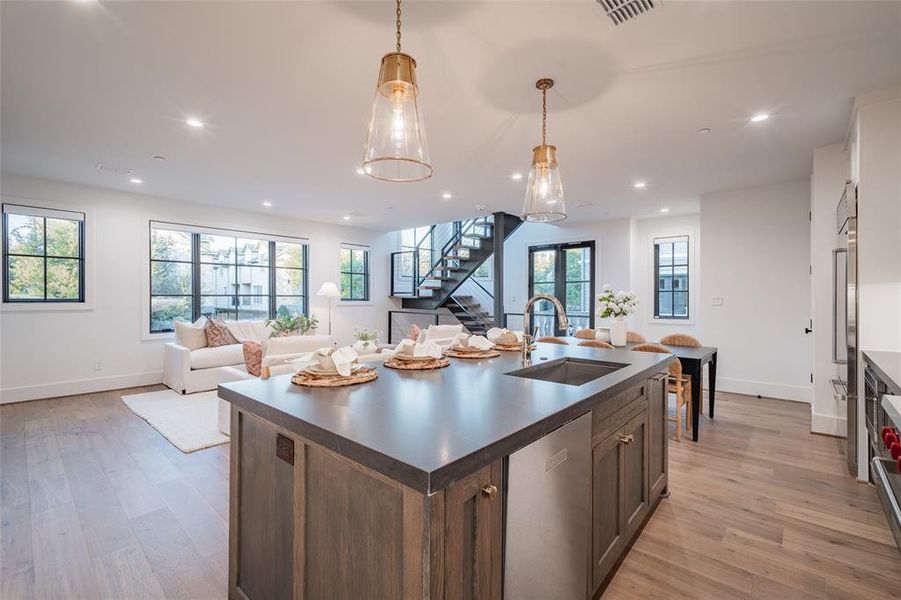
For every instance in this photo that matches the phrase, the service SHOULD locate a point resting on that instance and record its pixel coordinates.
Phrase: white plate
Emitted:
(411, 358)
(318, 370)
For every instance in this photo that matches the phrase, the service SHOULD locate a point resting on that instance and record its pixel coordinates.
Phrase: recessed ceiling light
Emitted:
(360, 171)
(516, 176)
(267, 203)
(639, 185)
(759, 117)
(447, 195)
(346, 217)
(664, 210)
(136, 180)
(704, 130)
(194, 122)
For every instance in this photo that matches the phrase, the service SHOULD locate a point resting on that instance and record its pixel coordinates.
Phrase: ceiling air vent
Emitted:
(621, 11)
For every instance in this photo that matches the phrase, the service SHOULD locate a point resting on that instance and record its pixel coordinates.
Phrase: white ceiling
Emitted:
(286, 89)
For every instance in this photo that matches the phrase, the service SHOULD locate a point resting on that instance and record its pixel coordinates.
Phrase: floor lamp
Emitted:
(329, 290)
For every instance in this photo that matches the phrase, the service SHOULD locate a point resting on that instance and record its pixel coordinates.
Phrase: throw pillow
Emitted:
(190, 336)
(217, 334)
(414, 332)
(253, 357)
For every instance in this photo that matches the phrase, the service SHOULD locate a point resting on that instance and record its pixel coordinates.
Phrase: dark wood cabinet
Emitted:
(473, 536)
(657, 454)
(628, 473)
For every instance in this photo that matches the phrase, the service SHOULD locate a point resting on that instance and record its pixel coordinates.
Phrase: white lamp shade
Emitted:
(329, 290)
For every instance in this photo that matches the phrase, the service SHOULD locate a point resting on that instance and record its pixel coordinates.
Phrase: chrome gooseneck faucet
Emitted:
(562, 322)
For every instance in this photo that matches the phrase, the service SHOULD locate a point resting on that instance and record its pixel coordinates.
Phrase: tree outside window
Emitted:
(43, 255)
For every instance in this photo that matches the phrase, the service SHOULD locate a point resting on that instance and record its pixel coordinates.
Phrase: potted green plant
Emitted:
(285, 323)
(366, 341)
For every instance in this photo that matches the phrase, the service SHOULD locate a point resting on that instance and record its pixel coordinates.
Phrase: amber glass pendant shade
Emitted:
(544, 202)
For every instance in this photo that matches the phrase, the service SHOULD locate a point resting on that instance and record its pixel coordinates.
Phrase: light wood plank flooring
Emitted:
(96, 504)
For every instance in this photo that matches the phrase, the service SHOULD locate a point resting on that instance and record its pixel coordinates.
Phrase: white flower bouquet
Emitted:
(616, 304)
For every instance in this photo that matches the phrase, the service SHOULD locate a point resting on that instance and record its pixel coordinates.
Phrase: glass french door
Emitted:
(565, 271)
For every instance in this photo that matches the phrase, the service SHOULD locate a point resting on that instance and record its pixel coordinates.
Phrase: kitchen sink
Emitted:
(569, 371)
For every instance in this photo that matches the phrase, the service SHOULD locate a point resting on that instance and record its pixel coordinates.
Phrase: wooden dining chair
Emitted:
(585, 334)
(634, 336)
(597, 344)
(553, 340)
(680, 339)
(677, 384)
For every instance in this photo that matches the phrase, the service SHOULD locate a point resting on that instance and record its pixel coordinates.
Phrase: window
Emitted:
(483, 271)
(566, 272)
(671, 278)
(221, 274)
(43, 255)
(410, 240)
(354, 274)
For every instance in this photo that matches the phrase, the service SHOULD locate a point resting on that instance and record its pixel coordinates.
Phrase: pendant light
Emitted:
(544, 195)
(396, 148)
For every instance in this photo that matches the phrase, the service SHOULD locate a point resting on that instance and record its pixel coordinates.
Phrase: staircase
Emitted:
(438, 272)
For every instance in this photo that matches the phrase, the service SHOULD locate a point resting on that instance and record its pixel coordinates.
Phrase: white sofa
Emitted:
(187, 371)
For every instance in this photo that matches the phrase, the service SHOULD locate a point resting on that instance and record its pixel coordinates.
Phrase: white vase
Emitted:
(365, 347)
(618, 331)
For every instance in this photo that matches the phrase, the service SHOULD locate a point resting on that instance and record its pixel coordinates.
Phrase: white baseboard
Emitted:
(780, 391)
(78, 386)
(828, 425)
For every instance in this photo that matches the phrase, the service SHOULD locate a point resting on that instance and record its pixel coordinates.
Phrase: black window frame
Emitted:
(80, 258)
(672, 241)
(352, 272)
(560, 280)
(235, 297)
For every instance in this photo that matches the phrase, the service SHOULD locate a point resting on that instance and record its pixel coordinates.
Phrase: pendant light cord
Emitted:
(543, 117)
(398, 26)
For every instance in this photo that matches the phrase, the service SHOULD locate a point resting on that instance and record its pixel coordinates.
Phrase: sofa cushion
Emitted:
(220, 356)
(190, 336)
(217, 334)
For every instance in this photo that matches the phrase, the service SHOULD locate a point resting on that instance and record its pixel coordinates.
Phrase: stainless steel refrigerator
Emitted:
(844, 305)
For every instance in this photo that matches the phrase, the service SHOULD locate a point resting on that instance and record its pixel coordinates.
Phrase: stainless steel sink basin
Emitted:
(569, 371)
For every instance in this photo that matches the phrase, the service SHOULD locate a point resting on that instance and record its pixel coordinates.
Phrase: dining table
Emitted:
(693, 360)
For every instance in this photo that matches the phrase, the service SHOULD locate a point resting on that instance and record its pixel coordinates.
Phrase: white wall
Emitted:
(642, 274)
(50, 352)
(612, 249)
(756, 257)
(830, 170)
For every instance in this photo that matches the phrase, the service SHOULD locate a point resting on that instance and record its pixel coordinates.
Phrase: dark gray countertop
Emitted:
(426, 429)
(888, 365)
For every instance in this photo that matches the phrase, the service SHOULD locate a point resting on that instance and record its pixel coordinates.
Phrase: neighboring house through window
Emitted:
(198, 272)
(43, 255)
(671, 278)
(354, 272)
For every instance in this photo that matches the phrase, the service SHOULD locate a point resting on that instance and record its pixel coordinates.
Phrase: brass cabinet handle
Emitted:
(627, 439)
(489, 490)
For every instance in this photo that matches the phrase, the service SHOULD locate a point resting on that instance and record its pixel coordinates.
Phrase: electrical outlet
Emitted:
(98, 366)
(717, 300)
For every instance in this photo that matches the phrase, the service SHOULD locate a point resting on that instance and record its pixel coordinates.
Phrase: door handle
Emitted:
(807, 330)
(489, 490)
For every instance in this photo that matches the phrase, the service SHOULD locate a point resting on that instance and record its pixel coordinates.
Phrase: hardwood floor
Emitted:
(96, 504)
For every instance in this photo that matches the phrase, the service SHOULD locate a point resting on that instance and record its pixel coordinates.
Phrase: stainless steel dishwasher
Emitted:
(548, 516)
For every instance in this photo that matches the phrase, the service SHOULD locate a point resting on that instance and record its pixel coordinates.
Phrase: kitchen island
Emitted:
(396, 488)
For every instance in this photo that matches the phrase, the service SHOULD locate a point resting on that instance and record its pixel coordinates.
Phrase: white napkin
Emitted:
(476, 341)
(408, 347)
(343, 359)
(503, 336)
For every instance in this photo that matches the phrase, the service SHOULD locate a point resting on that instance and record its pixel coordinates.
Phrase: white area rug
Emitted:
(190, 422)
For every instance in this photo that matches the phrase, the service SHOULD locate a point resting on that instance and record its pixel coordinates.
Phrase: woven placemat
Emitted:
(416, 365)
(316, 380)
(480, 354)
(506, 348)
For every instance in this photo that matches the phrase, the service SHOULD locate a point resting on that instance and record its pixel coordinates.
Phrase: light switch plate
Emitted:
(717, 300)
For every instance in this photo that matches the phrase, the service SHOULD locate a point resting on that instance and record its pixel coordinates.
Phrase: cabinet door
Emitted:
(635, 471)
(607, 523)
(473, 536)
(657, 433)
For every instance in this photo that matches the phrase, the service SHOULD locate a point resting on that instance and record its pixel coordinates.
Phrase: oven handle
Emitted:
(889, 501)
